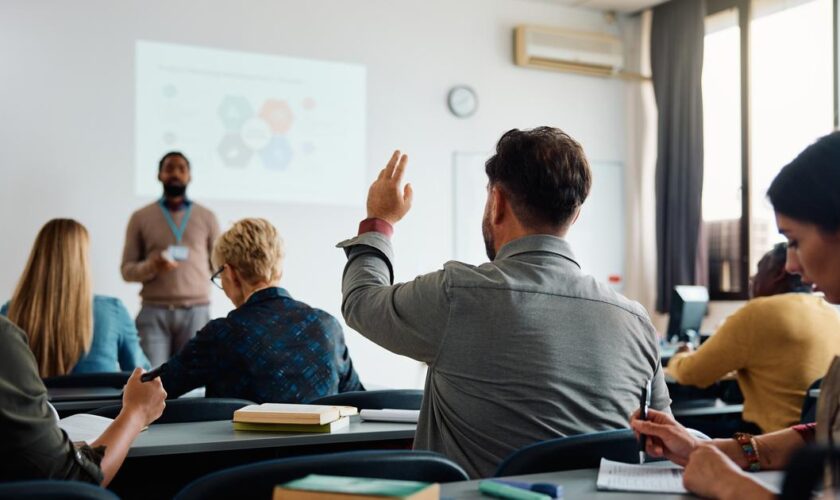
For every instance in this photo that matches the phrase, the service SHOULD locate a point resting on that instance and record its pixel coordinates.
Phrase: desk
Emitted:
(581, 484)
(62, 394)
(176, 454)
(705, 408)
(201, 437)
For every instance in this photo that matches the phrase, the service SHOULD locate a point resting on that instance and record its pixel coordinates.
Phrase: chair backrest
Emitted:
(805, 470)
(54, 489)
(575, 452)
(114, 379)
(809, 405)
(187, 410)
(258, 480)
(397, 399)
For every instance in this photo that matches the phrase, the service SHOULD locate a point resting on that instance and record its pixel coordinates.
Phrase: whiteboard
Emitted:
(597, 238)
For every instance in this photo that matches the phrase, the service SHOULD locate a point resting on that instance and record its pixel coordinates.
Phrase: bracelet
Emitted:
(748, 446)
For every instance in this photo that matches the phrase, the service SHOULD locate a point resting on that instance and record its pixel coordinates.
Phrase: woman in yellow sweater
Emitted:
(780, 342)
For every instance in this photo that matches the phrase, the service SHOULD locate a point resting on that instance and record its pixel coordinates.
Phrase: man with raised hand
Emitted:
(520, 349)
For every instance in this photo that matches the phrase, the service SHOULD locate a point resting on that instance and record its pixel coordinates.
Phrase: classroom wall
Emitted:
(67, 123)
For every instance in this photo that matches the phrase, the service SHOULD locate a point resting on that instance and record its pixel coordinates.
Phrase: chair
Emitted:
(809, 405)
(805, 470)
(187, 410)
(259, 479)
(114, 379)
(54, 489)
(396, 399)
(583, 451)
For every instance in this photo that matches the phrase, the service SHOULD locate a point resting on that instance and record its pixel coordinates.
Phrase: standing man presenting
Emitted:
(167, 248)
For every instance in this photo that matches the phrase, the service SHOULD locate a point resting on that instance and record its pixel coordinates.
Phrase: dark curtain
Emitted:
(676, 57)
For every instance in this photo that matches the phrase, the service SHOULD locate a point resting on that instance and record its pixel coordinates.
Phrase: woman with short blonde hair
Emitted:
(271, 348)
(54, 304)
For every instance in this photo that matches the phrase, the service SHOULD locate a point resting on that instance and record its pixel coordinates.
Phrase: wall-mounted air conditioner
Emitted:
(595, 54)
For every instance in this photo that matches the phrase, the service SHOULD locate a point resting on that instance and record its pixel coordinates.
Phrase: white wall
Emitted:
(67, 120)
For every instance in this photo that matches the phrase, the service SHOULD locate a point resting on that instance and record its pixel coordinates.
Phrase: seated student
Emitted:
(780, 342)
(69, 329)
(806, 198)
(520, 349)
(31, 443)
(271, 348)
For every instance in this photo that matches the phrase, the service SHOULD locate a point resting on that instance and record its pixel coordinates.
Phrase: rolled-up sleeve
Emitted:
(409, 318)
(33, 445)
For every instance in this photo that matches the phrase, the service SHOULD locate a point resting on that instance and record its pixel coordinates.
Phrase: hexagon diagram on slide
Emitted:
(278, 154)
(233, 151)
(234, 111)
(277, 114)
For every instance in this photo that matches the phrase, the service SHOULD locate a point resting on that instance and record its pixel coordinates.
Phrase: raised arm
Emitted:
(407, 318)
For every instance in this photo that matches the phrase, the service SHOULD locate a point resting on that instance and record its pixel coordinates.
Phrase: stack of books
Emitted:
(317, 487)
(275, 417)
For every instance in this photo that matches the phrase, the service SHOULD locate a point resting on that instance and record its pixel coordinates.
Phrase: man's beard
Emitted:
(489, 244)
(174, 189)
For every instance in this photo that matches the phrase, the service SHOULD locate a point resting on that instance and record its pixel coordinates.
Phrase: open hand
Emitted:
(387, 200)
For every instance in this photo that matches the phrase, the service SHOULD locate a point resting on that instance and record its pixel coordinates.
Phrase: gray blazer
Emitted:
(521, 349)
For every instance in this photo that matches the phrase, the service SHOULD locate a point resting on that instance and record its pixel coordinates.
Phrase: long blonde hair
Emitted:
(53, 301)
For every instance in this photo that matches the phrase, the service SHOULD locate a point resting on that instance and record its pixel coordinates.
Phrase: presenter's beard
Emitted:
(489, 244)
(174, 190)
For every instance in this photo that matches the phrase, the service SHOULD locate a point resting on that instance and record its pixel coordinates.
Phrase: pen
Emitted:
(151, 375)
(644, 403)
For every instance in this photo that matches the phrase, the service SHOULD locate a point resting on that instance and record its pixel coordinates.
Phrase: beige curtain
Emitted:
(640, 178)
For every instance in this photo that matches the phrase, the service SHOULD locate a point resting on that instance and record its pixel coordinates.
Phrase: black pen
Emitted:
(151, 375)
(644, 403)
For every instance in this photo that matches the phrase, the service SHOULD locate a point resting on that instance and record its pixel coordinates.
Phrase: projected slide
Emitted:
(255, 127)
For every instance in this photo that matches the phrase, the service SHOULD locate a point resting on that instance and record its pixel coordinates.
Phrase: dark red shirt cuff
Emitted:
(806, 431)
(377, 225)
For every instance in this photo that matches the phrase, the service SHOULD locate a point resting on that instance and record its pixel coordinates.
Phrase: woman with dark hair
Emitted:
(806, 198)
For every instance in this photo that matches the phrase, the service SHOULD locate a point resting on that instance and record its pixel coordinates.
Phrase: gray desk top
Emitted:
(196, 437)
(579, 484)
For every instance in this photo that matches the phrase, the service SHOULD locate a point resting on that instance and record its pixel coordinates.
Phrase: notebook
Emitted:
(388, 415)
(279, 413)
(319, 487)
(84, 427)
(618, 476)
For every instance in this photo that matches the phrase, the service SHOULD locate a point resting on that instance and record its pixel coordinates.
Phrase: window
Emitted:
(768, 91)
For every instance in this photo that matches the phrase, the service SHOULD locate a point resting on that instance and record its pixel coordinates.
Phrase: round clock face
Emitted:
(462, 101)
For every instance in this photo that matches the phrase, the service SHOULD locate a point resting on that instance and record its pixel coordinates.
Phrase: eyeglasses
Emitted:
(216, 279)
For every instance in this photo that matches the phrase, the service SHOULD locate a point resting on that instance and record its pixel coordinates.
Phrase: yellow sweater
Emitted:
(779, 346)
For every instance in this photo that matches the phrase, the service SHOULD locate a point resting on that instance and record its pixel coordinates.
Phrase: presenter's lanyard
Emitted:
(177, 231)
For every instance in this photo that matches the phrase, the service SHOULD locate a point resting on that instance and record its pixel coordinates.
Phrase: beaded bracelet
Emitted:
(748, 446)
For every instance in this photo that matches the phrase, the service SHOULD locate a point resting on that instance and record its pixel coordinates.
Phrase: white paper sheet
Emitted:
(84, 427)
(617, 476)
(388, 415)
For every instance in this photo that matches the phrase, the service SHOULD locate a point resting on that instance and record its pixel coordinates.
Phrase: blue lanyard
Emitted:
(177, 231)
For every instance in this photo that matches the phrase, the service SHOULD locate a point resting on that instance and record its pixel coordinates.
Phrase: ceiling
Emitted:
(626, 6)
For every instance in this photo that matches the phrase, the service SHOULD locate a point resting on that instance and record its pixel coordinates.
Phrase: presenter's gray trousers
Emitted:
(165, 330)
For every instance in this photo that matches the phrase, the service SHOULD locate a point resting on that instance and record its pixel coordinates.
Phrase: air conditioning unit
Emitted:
(595, 54)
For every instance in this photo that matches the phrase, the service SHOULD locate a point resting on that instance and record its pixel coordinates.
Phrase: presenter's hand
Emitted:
(161, 264)
(387, 199)
(143, 400)
(665, 436)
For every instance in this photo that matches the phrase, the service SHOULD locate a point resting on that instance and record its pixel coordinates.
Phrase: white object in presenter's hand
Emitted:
(163, 262)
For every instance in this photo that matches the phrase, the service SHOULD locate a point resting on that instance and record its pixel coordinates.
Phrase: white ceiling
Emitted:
(616, 5)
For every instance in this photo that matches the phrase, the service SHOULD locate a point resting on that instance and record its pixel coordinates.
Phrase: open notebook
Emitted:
(660, 477)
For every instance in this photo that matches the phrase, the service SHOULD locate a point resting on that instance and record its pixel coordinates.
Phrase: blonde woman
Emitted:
(271, 348)
(69, 329)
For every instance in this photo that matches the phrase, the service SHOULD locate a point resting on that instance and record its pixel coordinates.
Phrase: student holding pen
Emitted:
(806, 198)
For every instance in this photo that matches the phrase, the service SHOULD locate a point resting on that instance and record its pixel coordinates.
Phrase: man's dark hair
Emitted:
(544, 173)
(170, 154)
(808, 188)
(778, 259)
